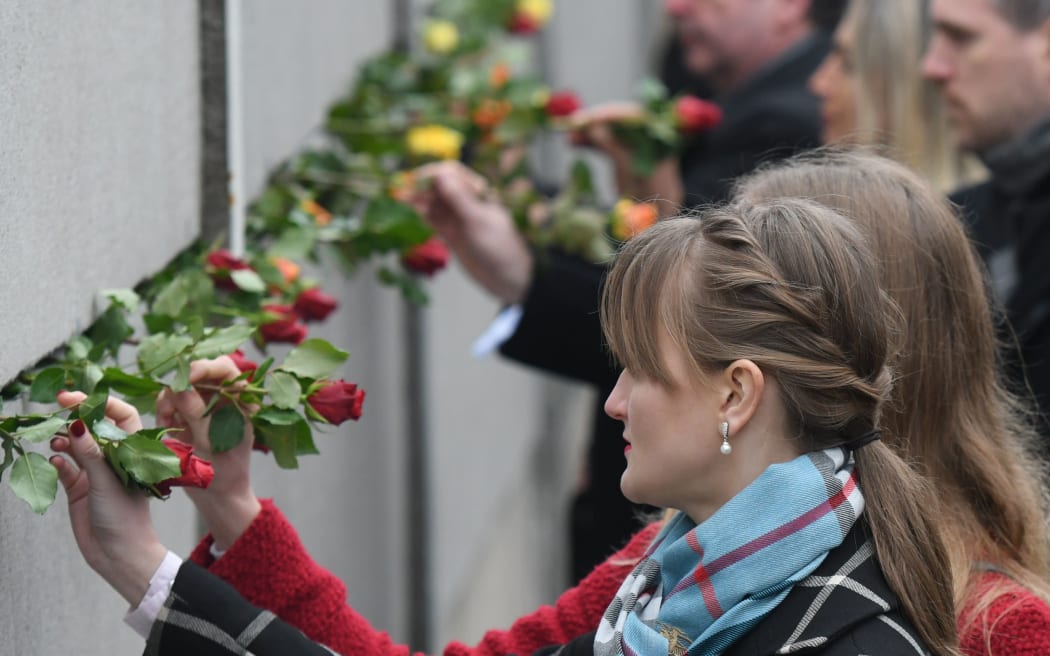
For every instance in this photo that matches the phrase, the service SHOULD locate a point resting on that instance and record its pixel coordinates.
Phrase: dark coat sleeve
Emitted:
(204, 616)
(560, 330)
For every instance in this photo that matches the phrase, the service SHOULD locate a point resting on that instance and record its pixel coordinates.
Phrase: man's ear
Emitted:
(743, 384)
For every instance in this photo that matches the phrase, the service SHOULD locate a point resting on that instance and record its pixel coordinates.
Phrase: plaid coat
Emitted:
(204, 616)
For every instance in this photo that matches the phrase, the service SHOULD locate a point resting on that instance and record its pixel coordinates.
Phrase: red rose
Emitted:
(695, 115)
(338, 401)
(315, 305)
(195, 471)
(222, 262)
(562, 103)
(287, 328)
(243, 363)
(427, 258)
(522, 23)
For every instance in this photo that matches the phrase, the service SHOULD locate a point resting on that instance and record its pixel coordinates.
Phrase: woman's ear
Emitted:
(744, 385)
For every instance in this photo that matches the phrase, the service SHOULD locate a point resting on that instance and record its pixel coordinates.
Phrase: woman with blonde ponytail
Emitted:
(950, 413)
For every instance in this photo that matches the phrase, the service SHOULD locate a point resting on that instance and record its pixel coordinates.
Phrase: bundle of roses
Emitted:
(205, 304)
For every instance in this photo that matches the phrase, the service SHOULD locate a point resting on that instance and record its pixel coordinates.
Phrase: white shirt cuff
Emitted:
(142, 617)
(500, 330)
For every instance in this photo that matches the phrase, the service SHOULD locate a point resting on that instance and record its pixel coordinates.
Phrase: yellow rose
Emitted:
(434, 141)
(440, 37)
(538, 11)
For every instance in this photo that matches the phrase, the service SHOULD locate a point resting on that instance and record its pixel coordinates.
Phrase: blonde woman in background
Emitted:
(950, 413)
(872, 91)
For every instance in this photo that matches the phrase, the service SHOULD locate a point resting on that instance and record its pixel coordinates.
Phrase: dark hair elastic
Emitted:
(859, 433)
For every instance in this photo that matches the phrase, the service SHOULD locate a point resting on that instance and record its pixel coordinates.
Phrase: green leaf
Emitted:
(125, 297)
(223, 341)
(41, 431)
(304, 440)
(147, 459)
(35, 481)
(295, 243)
(128, 385)
(172, 298)
(260, 373)
(157, 353)
(106, 430)
(181, 381)
(88, 378)
(93, 408)
(248, 281)
(284, 389)
(47, 384)
(314, 358)
(226, 429)
(78, 348)
(111, 328)
(283, 431)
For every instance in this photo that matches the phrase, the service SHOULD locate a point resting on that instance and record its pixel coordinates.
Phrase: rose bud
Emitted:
(286, 328)
(195, 471)
(338, 401)
(289, 270)
(427, 258)
(243, 364)
(222, 262)
(322, 217)
(695, 115)
(530, 15)
(562, 103)
(314, 305)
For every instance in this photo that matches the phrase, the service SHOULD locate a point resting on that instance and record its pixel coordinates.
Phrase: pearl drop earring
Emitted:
(726, 448)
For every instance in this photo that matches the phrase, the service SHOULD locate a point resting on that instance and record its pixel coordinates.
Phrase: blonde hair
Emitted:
(896, 106)
(789, 285)
(951, 413)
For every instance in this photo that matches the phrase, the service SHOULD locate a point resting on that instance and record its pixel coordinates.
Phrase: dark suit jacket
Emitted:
(1016, 223)
(771, 117)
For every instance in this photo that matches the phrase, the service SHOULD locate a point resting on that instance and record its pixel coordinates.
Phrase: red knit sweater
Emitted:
(304, 594)
(307, 596)
(1017, 623)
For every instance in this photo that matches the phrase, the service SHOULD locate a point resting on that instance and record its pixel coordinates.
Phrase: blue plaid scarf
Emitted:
(701, 587)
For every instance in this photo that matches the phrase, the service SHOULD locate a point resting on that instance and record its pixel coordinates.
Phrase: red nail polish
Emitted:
(78, 428)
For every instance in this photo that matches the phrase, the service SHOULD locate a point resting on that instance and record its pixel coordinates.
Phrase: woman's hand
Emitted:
(112, 527)
(229, 504)
(480, 232)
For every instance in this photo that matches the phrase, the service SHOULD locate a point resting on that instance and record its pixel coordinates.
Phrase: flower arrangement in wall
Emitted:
(463, 94)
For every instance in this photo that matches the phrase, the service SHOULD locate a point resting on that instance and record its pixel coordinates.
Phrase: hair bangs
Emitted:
(646, 269)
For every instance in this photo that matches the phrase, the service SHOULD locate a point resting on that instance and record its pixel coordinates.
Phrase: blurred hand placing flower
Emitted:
(196, 472)
(440, 36)
(427, 258)
(436, 141)
(338, 401)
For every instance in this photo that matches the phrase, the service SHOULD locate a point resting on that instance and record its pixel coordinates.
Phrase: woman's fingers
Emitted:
(120, 412)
